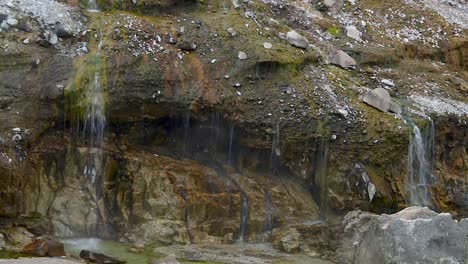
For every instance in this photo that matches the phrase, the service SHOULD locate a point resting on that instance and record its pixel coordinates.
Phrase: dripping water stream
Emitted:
(92, 6)
(244, 216)
(420, 159)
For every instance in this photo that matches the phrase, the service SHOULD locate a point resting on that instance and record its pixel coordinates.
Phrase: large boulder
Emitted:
(413, 235)
(99, 258)
(297, 40)
(42, 248)
(343, 60)
(380, 99)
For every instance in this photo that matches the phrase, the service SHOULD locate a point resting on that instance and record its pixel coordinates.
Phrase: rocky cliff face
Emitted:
(221, 125)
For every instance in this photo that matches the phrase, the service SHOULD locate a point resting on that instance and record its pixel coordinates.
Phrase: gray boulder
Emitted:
(343, 60)
(380, 98)
(170, 259)
(333, 5)
(297, 40)
(413, 235)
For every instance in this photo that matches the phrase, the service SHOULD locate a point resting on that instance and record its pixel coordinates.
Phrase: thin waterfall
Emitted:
(231, 136)
(244, 216)
(92, 6)
(321, 173)
(275, 150)
(269, 213)
(420, 159)
(95, 119)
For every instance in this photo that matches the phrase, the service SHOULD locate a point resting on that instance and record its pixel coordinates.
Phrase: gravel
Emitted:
(454, 11)
(441, 106)
(38, 261)
(46, 12)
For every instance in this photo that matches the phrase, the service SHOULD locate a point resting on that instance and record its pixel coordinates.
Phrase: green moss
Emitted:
(76, 102)
(6, 254)
(335, 31)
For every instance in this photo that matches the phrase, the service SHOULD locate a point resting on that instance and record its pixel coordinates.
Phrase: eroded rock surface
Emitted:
(415, 234)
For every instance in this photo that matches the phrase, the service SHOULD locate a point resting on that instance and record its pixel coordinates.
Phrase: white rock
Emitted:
(343, 112)
(267, 45)
(242, 55)
(26, 41)
(354, 33)
(52, 38)
(387, 82)
(12, 22)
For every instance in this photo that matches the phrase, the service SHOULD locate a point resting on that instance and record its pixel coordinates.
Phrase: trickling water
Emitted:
(244, 216)
(321, 172)
(231, 136)
(420, 160)
(269, 213)
(275, 150)
(92, 6)
(95, 119)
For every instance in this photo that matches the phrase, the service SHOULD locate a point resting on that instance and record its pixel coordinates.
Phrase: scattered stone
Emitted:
(242, 55)
(231, 32)
(171, 39)
(343, 112)
(26, 41)
(99, 258)
(170, 259)
(413, 235)
(187, 46)
(343, 60)
(63, 32)
(4, 25)
(237, 85)
(297, 40)
(387, 82)
(16, 138)
(267, 45)
(333, 5)
(12, 22)
(42, 248)
(354, 33)
(213, 61)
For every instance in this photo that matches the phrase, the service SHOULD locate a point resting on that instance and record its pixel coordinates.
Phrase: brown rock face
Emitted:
(42, 248)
